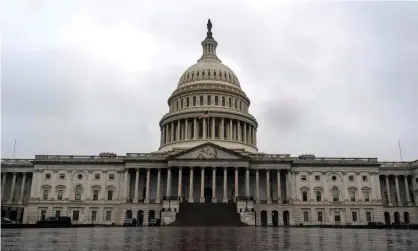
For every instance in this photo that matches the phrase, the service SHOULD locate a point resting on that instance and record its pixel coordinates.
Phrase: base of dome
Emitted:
(184, 145)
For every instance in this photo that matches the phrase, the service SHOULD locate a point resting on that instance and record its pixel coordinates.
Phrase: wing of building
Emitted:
(208, 158)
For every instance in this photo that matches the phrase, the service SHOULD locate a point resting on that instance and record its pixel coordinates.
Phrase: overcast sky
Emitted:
(330, 79)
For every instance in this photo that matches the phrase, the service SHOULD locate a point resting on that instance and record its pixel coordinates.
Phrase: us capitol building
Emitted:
(208, 154)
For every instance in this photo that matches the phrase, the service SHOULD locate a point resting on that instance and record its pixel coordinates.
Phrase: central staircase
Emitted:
(208, 214)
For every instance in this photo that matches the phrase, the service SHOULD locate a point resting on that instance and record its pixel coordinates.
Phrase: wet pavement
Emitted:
(201, 238)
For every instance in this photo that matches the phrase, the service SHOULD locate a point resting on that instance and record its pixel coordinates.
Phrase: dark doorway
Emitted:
(275, 218)
(3, 213)
(21, 215)
(151, 216)
(128, 214)
(140, 217)
(387, 218)
(286, 220)
(208, 194)
(397, 218)
(13, 215)
(406, 217)
(144, 193)
(263, 218)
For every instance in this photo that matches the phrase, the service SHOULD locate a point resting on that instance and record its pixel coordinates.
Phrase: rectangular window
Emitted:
(216, 100)
(366, 196)
(364, 178)
(223, 101)
(305, 196)
(111, 176)
(43, 215)
(303, 177)
(93, 215)
(187, 101)
(77, 196)
(95, 194)
(354, 215)
(45, 194)
(353, 196)
(351, 178)
(317, 177)
(306, 216)
(97, 176)
(318, 196)
(320, 216)
(109, 195)
(108, 215)
(58, 213)
(62, 176)
(368, 216)
(76, 214)
(60, 194)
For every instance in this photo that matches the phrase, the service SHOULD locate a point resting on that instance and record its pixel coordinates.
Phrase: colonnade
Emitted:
(397, 198)
(208, 128)
(13, 196)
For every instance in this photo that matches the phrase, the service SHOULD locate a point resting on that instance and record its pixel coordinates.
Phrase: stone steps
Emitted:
(208, 214)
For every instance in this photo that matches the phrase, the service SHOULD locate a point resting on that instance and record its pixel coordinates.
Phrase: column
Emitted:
(68, 188)
(225, 196)
(268, 186)
(288, 187)
(414, 186)
(247, 182)
(168, 182)
(186, 130)
(398, 196)
(191, 186)
(236, 183)
(324, 175)
(358, 187)
(194, 129)
(245, 132)
(222, 133)
(180, 183)
(12, 188)
(178, 133)
(157, 200)
(279, 188)
(148, 185)
(136, 186)
(388, 190)
(171, 131)
(202, 185)
(204, 128)
(214, 184)
(3, 184)
(22, 188)
(230, 129)
(408, 200)
(344, 187)
(250, 140)
(161, 136)
(213, 128)
(257, 186)
(90, 192)
(239, 130)
(54, 183)
(379, 189)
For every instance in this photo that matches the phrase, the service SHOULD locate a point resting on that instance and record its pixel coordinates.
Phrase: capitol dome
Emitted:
(208, 105)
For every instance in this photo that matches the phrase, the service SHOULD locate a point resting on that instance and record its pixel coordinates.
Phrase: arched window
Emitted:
(216, 100)
(194, 100)
(78, 192)
(335, 194)
(201, 100)
(187, 102)
(209, 100)
(223, 101)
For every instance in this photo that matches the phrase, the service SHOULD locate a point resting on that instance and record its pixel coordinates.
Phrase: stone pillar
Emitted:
(202, 185)
(288, 186)
(398, 195)
(239, 130)
(388, 190)
(250, 140)
(136, 186)
(358, 187)
(222, 132)
(148, 186)
(279, 188)
(90, 192)
(214, 184)
(180, 183)
(178, 134)
(213, 128)
(225, 196)
(191, 200)
(230, 129)
(194, 129)
(168, 181)
(236, 183)
(257, 186)
(344, 186)
(186, 130)
(324, 174)
(247, 182)
(268, 186)
(67, 187)
(22, 188)
(12, 188)
(3, 184)
(245, 132)
(204, 128)
(157, 200)
(414, 187)
(171, 131)
(408, 200)
(378, 188)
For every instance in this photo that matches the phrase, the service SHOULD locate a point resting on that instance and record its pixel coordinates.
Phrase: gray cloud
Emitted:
(332, 79)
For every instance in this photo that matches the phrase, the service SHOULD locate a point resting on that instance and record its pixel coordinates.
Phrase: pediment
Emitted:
(208, 151)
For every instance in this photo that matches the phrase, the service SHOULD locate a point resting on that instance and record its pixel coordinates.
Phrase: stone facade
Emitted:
(208, 154)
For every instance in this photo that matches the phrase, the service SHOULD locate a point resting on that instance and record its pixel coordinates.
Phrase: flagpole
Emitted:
(14, 149)
(400, 149)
